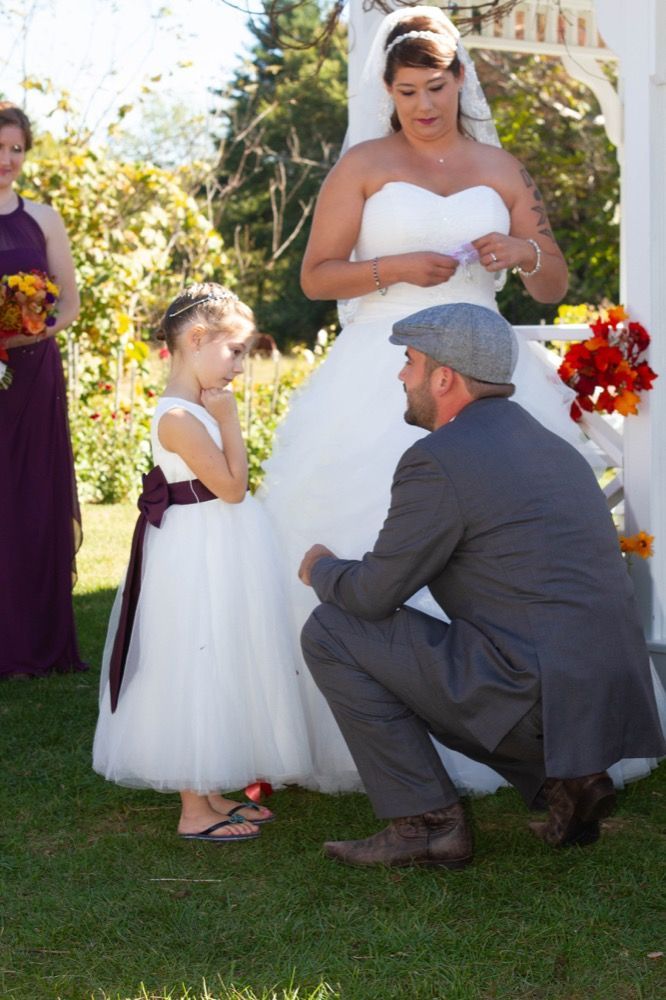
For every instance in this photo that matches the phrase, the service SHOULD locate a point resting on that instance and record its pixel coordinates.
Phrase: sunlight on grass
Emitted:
(322, 992)
(107, 533)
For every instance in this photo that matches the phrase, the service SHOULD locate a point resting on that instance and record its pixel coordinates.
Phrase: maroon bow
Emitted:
(156, 497)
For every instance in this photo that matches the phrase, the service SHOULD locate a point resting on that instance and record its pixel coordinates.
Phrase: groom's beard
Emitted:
(421, 410)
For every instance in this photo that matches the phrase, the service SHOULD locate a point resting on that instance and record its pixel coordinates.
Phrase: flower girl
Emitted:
(198, 690)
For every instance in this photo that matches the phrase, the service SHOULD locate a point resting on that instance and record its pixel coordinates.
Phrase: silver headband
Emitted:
(431, 36)
(224, 297)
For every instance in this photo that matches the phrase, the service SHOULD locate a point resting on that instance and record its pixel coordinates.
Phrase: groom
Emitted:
(542, 672)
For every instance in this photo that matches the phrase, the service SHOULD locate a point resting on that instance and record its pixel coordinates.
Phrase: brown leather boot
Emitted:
(575, 806)
(441, 837)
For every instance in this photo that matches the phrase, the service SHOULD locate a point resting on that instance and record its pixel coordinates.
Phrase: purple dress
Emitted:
(40, 522)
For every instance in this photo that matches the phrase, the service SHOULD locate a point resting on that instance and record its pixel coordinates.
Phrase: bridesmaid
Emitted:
(40, 528)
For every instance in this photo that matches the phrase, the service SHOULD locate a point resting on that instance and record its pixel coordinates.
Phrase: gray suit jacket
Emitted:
(506, 524)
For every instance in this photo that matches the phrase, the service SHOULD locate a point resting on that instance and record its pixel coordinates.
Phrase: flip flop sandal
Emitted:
(208, 833)
(250, 805)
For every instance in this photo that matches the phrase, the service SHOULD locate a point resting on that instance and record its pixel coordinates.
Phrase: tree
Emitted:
(283, 120)
(552, 124)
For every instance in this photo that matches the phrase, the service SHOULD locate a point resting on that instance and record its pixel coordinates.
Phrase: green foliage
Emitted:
(263, 404)
(552, 124)
(137, 235)
(284, 120)
(110, 424)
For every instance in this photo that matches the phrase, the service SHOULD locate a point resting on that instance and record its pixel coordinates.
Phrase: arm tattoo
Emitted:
(526, 177)
(542, 217)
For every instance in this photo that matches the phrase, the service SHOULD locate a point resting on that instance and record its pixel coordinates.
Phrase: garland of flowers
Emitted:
(605, 371)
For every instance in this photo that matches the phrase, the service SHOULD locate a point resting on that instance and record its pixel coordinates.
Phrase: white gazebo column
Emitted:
(637, 34)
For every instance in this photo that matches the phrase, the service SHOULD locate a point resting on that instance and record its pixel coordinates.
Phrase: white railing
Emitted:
(594, 425)
(547, 27)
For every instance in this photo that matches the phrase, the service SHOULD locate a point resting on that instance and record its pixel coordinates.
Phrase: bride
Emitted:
(427, 210)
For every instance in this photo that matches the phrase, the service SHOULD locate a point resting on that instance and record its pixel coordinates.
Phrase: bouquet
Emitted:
(28, 302)
(605, 371)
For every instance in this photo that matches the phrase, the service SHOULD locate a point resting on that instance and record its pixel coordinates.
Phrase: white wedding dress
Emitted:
(328, 479)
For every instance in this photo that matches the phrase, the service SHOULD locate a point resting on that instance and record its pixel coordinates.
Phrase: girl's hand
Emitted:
(423, 268)
(220, 403)
(498, 252)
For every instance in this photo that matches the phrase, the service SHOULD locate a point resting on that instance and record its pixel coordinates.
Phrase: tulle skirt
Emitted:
(328, 480)
(210, 699)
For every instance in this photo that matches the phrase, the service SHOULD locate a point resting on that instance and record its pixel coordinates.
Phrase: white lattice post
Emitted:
(637, 33)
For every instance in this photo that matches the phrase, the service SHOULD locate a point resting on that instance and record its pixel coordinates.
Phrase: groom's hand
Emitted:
(309, 559)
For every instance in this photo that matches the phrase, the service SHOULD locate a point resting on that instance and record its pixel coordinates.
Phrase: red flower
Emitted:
(640, 336)
(608, 361)
(644, 375)
(585, 403)
(585, 385)
(604, 402)
(606, 357)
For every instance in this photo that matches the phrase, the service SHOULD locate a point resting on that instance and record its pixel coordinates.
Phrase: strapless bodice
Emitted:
(405, 218)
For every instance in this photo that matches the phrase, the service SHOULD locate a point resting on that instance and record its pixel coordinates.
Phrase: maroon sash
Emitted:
(157, 496)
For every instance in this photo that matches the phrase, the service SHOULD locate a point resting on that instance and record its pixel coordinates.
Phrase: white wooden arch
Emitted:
(585, 34)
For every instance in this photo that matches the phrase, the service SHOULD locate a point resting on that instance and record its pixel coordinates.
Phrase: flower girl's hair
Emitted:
(206, 303)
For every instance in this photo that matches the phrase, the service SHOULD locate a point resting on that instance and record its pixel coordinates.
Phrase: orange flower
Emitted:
(641, 544)
(627, 402)
(33, 322)
(616, 315)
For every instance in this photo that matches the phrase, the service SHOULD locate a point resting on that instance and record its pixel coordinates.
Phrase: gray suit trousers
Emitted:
(388, 702)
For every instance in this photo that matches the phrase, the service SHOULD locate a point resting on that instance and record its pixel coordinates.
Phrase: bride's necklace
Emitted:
(446, 155)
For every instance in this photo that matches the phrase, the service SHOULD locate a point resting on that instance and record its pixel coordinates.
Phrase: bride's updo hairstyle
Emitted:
(420, 51)
(11, 115)
(207, 303)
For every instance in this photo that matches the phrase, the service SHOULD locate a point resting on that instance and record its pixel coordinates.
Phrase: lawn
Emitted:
(100, 899)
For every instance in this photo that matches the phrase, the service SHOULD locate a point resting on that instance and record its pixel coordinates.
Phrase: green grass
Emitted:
(99, 899)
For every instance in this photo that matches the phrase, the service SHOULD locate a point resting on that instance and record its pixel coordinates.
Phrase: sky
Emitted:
(105, 51)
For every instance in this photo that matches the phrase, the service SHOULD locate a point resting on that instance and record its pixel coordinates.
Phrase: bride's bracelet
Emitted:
(375, 275)
(537, 266)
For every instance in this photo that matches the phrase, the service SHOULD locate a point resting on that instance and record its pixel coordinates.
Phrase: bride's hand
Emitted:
(498, 252)
(423, 268)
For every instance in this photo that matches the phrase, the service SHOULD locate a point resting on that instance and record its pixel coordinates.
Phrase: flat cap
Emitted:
(472, 339)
